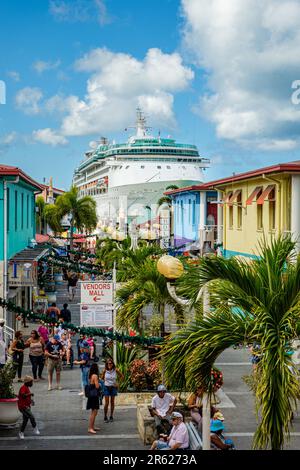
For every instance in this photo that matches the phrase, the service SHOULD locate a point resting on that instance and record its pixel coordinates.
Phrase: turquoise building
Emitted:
(17, 230)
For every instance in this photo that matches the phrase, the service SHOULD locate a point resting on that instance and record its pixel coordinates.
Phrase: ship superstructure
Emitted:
(135, 174)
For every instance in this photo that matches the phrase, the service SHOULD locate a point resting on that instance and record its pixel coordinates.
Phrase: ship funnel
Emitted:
(103, 141)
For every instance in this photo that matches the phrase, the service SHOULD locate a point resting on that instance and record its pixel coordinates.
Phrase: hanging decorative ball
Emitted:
(170, 267)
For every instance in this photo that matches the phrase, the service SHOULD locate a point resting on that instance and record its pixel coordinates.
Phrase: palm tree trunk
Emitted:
(179, 315)
(162, 327)
(71, 239)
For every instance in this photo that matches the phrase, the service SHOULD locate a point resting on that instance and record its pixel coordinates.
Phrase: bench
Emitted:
(194, 437)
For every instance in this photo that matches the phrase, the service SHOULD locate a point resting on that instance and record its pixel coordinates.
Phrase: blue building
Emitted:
(193, 214)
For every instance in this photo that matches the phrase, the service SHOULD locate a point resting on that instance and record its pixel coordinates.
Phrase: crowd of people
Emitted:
(52, 347)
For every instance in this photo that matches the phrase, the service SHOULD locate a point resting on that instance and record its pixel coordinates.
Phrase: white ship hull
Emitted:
(133, 199)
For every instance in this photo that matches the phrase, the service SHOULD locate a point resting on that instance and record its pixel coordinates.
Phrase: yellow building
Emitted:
(263, 202)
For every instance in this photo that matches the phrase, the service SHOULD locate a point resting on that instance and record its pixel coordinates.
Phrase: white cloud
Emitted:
(82, 11)
(250, 52)
(119, 82)
(7, 140)
(14, 75)
(28, 100)
(49, 137)
(41, 66)
(116, 85)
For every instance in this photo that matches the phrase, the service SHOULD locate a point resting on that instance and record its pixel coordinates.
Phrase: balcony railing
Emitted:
(210, 233)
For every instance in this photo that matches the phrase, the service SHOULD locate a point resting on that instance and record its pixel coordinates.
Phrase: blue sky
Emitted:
(209, 73)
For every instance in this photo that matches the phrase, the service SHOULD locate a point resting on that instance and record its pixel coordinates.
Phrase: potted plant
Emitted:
(9, 413)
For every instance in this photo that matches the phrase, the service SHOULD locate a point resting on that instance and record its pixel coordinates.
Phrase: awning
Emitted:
(227, 197)
(22, 267)
(234, 196)
(253, 195)
(42, 238)
(79, 240)
(59, 242)
(265, 194)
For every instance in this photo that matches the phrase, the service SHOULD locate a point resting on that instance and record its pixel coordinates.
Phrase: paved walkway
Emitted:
(61, 414)
(63, 421)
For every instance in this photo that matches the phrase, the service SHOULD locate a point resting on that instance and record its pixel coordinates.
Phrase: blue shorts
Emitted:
(110, 391)
(255, 359)
(162, 445)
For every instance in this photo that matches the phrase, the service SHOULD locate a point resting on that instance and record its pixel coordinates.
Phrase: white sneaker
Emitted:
(21, 435)
(36, 431)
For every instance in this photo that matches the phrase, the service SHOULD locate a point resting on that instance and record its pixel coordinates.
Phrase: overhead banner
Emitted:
(96, 293)
(96, 315)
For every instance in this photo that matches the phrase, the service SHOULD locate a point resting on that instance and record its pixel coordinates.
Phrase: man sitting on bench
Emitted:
(178, 438)
(161, 409)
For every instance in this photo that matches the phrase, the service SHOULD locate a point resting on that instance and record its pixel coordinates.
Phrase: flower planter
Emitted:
(9, 413)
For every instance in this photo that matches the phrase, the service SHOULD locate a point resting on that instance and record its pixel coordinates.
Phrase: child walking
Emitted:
(24, 405)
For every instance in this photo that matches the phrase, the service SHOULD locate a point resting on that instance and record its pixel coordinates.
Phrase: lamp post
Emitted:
(114, 312)
(170, 268)
(206, 251)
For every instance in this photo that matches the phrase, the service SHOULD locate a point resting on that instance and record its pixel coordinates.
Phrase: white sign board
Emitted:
(96, 315)
(96, 293)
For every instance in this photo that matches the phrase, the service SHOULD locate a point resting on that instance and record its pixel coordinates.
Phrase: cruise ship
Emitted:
(126, 179)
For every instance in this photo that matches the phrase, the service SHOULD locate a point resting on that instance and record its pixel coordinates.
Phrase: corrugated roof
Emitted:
(6, 170)
(30, 254)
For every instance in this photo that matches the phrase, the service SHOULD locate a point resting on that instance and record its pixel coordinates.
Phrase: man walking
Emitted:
(72, 283)
(24, 405)
(54, 352)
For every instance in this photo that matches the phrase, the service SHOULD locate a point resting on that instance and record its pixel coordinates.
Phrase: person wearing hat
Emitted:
(54, 352)
(162, 406)
(85, 364)
(218, 441)
(2, 344)
(24, 405)
(178, 438)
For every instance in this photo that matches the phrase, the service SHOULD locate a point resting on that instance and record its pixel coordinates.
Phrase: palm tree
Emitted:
(257, 301)
(167, 199)
(127, 259)
(53, 218)
(146, 287)
(40, 215)
(82, 211)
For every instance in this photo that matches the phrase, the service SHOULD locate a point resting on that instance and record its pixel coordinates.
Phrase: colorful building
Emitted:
(17, 232)
(194, 214)
(257, 204)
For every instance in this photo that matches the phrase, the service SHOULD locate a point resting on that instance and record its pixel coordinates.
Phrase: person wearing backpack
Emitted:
(53, 312)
